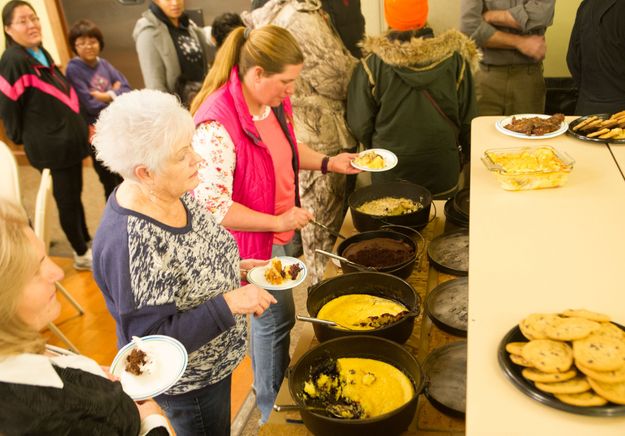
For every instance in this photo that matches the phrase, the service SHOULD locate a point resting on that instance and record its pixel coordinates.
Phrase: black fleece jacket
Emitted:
(41, 110)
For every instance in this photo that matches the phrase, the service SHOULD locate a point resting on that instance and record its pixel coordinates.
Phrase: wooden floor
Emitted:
(94, 332)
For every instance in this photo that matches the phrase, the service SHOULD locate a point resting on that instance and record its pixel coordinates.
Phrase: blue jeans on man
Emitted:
(270, 341)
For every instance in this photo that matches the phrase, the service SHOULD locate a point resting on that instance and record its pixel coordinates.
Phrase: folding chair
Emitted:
(42, 230)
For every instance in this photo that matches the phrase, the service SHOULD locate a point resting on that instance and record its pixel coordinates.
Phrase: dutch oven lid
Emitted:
(446, 374)
(454, 217)
(449, 252)
(461, 202)
(447, 306)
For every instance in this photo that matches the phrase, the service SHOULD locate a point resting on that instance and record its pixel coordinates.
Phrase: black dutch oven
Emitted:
(371, 283)
(392, 423)
(416, 193)
(377, 248)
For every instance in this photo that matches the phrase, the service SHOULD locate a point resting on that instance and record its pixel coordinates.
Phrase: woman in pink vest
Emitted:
(249, 181)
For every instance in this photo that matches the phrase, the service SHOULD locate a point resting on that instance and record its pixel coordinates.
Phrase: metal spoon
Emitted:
(328, 229)
(343, 411)
(322, 322)
(347, 261)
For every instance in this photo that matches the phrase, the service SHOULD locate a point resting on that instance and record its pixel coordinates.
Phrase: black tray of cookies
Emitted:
(513, 372)
(579, 135)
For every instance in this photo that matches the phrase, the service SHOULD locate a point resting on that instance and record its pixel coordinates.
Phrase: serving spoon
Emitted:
(343, 411)
(346, 260)
(322, 322)
(328, 229)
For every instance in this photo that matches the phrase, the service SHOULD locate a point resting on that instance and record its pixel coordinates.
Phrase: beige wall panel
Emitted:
(445, 14)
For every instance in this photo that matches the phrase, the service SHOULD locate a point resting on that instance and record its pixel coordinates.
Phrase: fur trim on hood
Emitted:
(422, 51)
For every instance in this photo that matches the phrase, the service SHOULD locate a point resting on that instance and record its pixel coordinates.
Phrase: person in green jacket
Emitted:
(413, 94)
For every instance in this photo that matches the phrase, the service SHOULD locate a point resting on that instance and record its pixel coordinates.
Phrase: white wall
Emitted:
(445, 14)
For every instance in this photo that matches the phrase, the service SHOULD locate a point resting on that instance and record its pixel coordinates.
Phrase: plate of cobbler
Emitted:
(150, 365)
(283, 272)
(532, 126)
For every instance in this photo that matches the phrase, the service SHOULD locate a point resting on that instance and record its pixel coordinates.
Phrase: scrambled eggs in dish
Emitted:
(362, 311)
(366, 388)
(528, 168)
(528, 160)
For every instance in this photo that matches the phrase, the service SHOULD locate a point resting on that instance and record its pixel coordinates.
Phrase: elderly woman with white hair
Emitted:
(164, 264)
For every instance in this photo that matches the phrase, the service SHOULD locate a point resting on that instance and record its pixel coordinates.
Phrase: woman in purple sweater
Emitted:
(97, 83)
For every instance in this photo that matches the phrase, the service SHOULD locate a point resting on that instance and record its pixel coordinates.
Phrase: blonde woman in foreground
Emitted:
(40, 392)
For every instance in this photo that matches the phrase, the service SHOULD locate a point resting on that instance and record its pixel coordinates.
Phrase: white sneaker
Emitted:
(84, 262)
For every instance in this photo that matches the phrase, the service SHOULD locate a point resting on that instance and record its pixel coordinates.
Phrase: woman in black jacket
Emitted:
(42, 393)
(41, 110)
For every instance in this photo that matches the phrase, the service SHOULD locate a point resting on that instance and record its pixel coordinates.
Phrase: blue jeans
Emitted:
(270, 340)
(202, 412)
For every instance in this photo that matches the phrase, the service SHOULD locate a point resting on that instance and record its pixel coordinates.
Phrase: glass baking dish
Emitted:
(523, 168)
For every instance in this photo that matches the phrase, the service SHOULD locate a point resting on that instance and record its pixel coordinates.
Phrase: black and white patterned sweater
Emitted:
(158, 279)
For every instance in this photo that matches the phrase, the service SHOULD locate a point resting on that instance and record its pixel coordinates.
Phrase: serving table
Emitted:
(531, 251)
(539, 251)
(618, 151)
(425, 337)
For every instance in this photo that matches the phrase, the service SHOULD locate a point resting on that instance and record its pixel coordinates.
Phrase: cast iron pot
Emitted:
(392, 423)
(416, 193)
(372, 283)
(402, 269)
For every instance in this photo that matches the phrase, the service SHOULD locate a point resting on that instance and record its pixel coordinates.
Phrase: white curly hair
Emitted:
(141, 128)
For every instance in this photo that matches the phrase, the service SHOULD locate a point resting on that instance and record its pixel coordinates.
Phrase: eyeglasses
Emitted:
(87, 44)
(24, 21)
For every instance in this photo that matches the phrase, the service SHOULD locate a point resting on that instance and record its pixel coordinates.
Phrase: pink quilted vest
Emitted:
(254, 182)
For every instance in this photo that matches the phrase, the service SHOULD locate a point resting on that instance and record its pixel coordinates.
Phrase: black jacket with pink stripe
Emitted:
(41, 110)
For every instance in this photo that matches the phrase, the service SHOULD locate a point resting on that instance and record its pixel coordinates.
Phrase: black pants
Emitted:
(108, 179)
(66, 188)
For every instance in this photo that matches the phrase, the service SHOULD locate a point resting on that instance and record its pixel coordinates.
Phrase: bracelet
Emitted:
(324, 164)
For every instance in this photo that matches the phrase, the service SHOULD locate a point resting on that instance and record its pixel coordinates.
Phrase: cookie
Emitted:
(601, 353)
(583, 313)
(614, 392)
(515, 347)
(569, 329)
(585, 122)
(546, 377)
(548, 355)
(615, 376)
(611, 330)
(533, 327)
(584, 399)
(520, 361)
(574, 386)
(598, 132)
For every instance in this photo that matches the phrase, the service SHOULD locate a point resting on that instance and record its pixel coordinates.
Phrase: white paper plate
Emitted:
(256, 276)
(170, 360)
(390, 160)
(499, 125)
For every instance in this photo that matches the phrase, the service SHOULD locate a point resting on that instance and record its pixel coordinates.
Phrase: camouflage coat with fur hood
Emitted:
(321, 88)
(416, 98)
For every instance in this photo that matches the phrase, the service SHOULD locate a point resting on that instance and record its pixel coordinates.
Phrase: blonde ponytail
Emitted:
(270, 47)
(227, 57)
